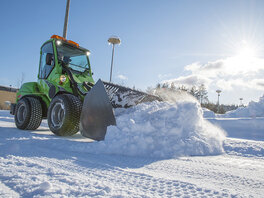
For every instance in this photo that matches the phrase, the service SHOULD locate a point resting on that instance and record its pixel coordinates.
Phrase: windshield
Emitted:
(74, 57)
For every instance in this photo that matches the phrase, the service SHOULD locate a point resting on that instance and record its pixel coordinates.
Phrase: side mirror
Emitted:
(49, 59)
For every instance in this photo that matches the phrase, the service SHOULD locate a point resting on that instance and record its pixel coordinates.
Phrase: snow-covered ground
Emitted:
(246, 128)
(253, 110)
(244, 122)
(157, 150)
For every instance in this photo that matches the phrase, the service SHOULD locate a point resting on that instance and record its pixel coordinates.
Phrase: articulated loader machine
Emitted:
(67, 96)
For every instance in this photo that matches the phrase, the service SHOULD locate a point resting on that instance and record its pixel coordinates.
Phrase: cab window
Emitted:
(46, 60)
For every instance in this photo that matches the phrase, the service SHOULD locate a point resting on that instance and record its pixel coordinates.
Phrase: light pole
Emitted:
(66, 19)
(218, 91)
(241, 103)
(113, 41)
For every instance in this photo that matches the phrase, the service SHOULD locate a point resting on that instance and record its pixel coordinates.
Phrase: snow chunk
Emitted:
(44, 186)
(162, 130)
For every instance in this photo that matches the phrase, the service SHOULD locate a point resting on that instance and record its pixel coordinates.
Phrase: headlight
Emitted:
(63, 78)
(58, 42)
(88, 53)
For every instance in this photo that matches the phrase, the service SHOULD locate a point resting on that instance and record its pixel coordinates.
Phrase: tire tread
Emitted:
(73, 107)
(34, 113)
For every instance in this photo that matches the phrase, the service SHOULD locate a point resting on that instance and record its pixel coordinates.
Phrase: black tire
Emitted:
(28, 113)
(64, 115)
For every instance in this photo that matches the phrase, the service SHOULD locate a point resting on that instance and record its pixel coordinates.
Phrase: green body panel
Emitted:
(41, 88)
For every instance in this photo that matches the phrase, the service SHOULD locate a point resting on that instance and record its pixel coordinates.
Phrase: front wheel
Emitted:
(64, 115)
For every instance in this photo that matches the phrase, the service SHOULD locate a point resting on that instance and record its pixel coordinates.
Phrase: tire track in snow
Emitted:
(223, 173)
(105, 180)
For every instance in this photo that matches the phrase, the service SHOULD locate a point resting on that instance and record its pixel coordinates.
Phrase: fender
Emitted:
(32, 89)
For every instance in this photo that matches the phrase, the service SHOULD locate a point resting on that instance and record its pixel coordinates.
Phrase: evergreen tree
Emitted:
(173, 87)
(202, 94)
(182, 88)
(158, 86)
(165, 85)
(194, 92)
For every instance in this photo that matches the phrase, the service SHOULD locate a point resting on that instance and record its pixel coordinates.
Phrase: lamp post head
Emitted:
(218, 91)
(114, 40)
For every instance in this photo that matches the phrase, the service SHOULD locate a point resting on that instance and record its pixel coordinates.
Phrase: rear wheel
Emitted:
(28, 113)
(64, 115)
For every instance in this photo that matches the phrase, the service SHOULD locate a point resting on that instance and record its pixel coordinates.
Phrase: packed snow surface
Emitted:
(238, 127)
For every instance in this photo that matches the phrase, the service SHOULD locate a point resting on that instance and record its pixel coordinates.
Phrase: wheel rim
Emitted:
(21, 113)
(58, 114)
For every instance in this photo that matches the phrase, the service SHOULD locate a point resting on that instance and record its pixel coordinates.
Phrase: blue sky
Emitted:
(187, 42)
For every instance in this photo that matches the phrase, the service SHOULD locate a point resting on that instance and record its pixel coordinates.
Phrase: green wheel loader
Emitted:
(67, 96)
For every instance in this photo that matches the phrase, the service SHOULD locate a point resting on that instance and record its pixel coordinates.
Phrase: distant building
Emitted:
(7, 94)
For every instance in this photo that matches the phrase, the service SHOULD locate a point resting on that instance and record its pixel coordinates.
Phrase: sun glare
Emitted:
(245, 58)
(247, 52)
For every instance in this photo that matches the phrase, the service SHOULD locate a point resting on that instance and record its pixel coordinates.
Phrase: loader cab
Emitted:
(57, 50)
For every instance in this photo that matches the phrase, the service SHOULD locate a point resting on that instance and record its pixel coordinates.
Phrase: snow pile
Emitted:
(254, 109)
(208, 113)
(162, 130)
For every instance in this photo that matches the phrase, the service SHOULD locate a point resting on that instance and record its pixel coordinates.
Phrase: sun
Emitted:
(246, 51)
(245, 58)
